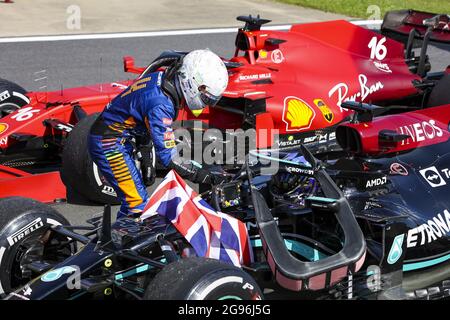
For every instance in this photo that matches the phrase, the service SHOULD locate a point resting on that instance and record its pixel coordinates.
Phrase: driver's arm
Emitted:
(160, 125)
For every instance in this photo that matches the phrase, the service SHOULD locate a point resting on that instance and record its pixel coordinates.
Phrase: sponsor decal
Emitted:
(396, 249)
(379, 51)
(27, 291)
(382, 66)
(277, 56)
(376, 182)
(167, 121)
(3, 127)
(24, 114)
(169, 135)
(300, 170)
(139, 84)
(326, 112)
(4, 95)
(319, 138)
(365, 90)
(169, 144)
(3, 141)
(23, 232)
(433, 229)
(291, 141)
(159, 81)
(64, 127)
(263, 54)
(420, 131)
(246, 77)
(434, 177)
(397, 168)
(372, 204)
(109, 191)
(297, 114)
(57, 273)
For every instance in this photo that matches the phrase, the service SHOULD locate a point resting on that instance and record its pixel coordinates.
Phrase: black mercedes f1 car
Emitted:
(370, 223)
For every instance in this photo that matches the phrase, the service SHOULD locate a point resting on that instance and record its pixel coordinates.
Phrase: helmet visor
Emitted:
(208, 98)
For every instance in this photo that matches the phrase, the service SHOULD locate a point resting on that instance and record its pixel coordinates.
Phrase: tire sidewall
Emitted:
(15, 95)
(225, 284)
(29, 224)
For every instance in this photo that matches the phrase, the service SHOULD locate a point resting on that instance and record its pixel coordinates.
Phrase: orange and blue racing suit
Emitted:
(144, 107)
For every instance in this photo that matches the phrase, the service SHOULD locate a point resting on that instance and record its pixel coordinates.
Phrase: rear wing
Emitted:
(399, 24)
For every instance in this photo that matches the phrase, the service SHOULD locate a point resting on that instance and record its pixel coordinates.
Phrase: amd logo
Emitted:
(376, 182)
(421, 131)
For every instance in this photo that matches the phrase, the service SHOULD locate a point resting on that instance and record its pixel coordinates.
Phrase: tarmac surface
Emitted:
(50, 17)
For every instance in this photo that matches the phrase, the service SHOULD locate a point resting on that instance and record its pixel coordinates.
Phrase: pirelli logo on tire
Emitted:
(297, 114)
(23, 232)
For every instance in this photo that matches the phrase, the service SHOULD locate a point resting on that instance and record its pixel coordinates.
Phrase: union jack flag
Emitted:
(212, 234)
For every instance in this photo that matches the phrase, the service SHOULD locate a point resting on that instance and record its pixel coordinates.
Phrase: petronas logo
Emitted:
(297, 114)
(396, 250)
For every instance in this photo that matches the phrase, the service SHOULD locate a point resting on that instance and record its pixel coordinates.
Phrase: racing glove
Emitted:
(194, 172)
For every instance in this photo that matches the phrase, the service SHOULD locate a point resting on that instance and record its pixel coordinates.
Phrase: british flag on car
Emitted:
(212, 234)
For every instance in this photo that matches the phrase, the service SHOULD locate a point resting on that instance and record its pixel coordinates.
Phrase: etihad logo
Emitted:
(3, 127)
(297, 114)
(326, 112)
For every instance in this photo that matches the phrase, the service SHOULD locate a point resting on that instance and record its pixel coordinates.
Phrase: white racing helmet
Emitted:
(203, 78)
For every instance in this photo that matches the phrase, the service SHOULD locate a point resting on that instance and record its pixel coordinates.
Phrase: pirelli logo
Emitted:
(23, 232)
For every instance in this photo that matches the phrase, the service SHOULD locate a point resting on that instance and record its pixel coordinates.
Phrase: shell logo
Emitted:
(297, 114)
(3, 127)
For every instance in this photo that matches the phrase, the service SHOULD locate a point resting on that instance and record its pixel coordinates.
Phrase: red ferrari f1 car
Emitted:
(294, 81)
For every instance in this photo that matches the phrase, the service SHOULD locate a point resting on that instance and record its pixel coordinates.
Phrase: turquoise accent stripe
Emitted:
(230, 298)
(300, 248)
(136, 270)
(425, 264)
(322, 199)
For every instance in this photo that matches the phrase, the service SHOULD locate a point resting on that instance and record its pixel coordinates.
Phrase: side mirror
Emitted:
(128, 65)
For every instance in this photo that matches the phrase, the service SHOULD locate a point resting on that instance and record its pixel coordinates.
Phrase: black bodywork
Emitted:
(359, 221)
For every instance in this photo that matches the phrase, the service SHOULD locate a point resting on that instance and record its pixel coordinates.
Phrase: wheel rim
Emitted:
(8, 108)
(34, 249)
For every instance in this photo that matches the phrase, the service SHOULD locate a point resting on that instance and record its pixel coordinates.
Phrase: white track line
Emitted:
(153, 33)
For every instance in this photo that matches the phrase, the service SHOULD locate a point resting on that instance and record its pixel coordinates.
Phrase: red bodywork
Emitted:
(326, 60)
(424, 127)
(302, 76)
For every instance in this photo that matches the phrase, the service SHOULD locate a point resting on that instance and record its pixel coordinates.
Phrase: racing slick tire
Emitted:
(23, 238)
(78, 170)
(12, 97)
(81, 174)
(202, 279)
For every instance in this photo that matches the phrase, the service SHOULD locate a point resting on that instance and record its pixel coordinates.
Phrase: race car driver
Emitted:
(149, 105)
